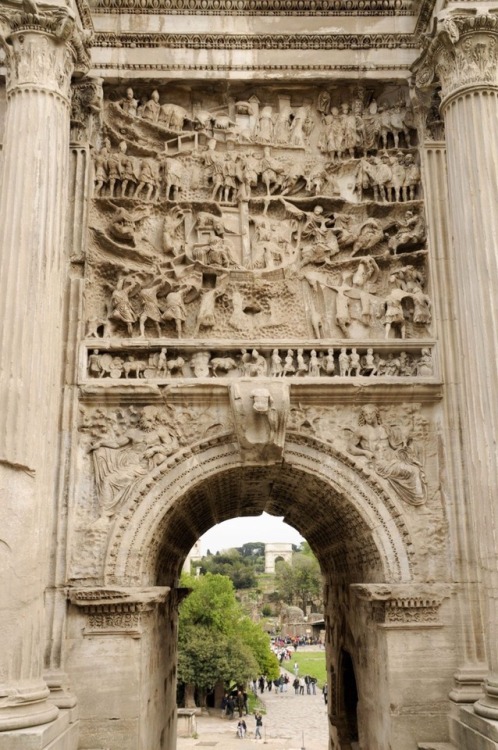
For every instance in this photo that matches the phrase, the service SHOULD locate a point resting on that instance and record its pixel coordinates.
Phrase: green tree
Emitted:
(259, 643)
(239, 568)
(216, 641)
(301, 582)
(255, 553)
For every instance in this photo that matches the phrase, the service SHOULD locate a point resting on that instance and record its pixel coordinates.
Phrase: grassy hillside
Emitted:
(310, 662)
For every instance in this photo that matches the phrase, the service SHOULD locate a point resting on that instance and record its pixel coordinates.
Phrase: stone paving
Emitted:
(292, 722)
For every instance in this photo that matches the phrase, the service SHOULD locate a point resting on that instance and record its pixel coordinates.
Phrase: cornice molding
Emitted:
(200, 68)
(258, 7)
(256, 41)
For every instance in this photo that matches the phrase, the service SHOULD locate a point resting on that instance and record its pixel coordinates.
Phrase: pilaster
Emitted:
(42, 49)
(469, 676)
(463, 55)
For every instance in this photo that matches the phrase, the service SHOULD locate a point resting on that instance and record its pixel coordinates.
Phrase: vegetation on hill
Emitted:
(240, 564)
(299, 584)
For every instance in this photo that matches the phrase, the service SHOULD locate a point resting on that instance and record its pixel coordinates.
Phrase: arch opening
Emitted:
(351, 522)
(336, 530)
(345, 521)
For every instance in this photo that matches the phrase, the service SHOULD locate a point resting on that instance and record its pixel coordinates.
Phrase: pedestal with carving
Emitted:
(40, 54)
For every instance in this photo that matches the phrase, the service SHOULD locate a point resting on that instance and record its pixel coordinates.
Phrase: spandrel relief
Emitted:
(267, 213)
(122, 446)
(394, 442)
(119, 448)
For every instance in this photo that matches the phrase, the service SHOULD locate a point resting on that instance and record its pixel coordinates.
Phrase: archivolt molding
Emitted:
(138, 532)
(85, 14)
(372, 497)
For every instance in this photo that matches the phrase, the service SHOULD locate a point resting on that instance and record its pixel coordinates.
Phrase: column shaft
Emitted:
(472, 667)
(33, 197)
(472, 133)
(463, 54)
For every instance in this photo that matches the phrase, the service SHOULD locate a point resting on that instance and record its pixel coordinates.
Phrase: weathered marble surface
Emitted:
(275, 292)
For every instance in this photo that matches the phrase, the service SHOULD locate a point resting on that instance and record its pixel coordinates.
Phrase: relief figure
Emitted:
(388, 451)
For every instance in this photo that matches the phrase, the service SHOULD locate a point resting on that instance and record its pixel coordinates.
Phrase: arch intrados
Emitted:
(176, 495)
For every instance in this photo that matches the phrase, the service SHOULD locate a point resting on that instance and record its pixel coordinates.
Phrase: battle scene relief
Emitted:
(261, 213)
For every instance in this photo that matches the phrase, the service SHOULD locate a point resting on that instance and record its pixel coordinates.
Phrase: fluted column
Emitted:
(41, 49)
(464, 56)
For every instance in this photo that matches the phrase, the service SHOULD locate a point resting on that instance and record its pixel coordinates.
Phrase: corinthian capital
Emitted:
(461, 54)
(43, 46)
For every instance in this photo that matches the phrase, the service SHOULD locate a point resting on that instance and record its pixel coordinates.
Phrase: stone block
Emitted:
(61, 734)
(187, 722)
(475, 731)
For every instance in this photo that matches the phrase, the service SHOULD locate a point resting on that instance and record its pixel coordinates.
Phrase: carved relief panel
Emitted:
(124, 449)
(263, 232)
(266, 213)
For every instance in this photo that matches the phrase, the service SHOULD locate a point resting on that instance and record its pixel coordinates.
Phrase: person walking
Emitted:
(230, 707)
(240, 703)
(259, 724)
(295, 685)
(224, 703)
(241, 729)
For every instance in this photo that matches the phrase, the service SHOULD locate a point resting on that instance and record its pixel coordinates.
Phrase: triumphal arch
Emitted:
(248, 262)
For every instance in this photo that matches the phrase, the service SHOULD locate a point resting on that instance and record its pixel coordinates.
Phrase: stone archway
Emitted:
(276, 551)
(152, 518)
(355, 525)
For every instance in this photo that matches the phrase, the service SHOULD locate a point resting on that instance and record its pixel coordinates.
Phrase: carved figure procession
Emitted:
(164, 364)
(265, 214)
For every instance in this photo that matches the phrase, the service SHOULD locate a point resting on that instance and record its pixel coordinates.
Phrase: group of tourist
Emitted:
(281, 683)
(300, 683)
(242, 727)
(234, 701)
(238, 701)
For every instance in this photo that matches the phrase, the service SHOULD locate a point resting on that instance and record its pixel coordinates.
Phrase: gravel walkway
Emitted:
(292, 722)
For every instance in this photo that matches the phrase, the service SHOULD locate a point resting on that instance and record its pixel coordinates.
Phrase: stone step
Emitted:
(436, 746)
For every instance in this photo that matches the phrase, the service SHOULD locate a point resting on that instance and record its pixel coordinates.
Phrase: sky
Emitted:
(238, 531)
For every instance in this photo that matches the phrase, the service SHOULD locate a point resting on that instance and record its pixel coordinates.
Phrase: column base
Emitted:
(25, 705)
(60, 694)
(61, 734)
(487, 705)
(473, 732)
(468, 687)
